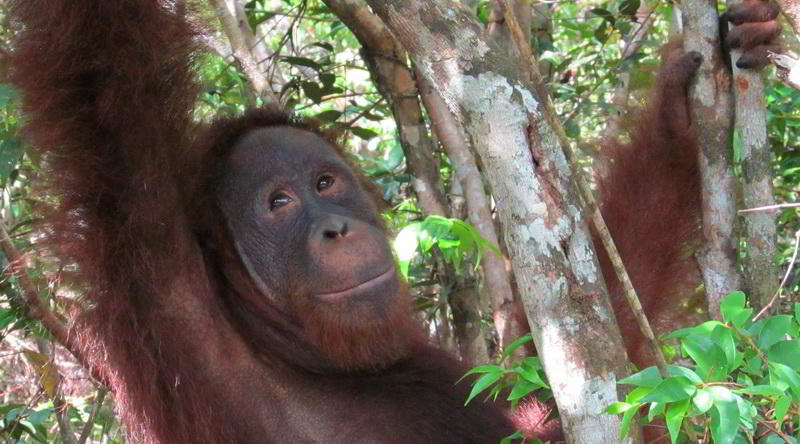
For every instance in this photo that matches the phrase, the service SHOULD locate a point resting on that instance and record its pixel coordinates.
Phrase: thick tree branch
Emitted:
(592, 208)
(791, 10)
(504, 116)
(760, 269)
(712, 116)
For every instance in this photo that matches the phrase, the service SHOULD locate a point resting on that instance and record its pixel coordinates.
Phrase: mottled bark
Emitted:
(712, 116)
(791, 10)
(548, 241)
(760, 269)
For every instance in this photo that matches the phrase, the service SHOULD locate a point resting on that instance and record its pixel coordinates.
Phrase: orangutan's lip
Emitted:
(366, 285)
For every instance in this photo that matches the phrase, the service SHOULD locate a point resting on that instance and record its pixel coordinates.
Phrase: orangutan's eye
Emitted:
(324, 182)
(278, 200)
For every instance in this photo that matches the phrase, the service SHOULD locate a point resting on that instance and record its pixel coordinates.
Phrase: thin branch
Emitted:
(771, 207)
(622, 91)
(783, 281)
(98, 402)
(36, 309)
(239, 33)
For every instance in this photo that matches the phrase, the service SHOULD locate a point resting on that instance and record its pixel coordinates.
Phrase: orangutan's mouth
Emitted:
(361, 288)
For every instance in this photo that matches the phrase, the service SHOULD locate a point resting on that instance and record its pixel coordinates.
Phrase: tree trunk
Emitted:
(548, 241)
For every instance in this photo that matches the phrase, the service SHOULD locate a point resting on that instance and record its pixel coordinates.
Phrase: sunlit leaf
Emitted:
(483, 383)
(724, 415)
(775, 329)
(675, 414)
(675, 388)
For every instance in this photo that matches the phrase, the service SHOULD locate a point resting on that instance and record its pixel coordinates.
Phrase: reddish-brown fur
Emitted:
(650, 200)
(175, 324)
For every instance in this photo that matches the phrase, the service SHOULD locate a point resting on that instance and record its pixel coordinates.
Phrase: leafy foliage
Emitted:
(744, 373)
(454, 238)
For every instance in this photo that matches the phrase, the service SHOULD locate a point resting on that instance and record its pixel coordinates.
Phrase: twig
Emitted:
(770, 207)
(37, 310)
(775, 430)
(783, 281)
(98, 402)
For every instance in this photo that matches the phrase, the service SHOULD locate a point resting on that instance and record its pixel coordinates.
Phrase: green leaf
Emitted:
(530, 372)
(625, 427)
(7, 316)
(521, 389)
(619, 407)
(733, 300)
(629, 7)
(752, 365)
(703, 400)
(676, 388)
(763, 390)
(675, 414)
(516, 344)
(329, 116)
(11, 151)
(484, 369)
(482, 384)
(637, 394)
(302, 61)
(733, 309)
(656, 409)
(363, 133)
(781, 408)
(785, 374)
(327, 79)
(775, 329)
(604, 14)
(312, 91)
(786, 353)
(649, 377)
(724, 415)
(723, 337)
(676, 370)
(711, 360)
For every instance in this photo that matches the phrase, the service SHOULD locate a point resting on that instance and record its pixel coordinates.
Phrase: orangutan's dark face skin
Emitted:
(310, 235)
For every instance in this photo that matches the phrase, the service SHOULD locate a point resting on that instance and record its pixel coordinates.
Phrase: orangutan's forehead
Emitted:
(281, 147)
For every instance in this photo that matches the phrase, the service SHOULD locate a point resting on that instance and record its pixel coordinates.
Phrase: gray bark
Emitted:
(760, 268)
(712, 116)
